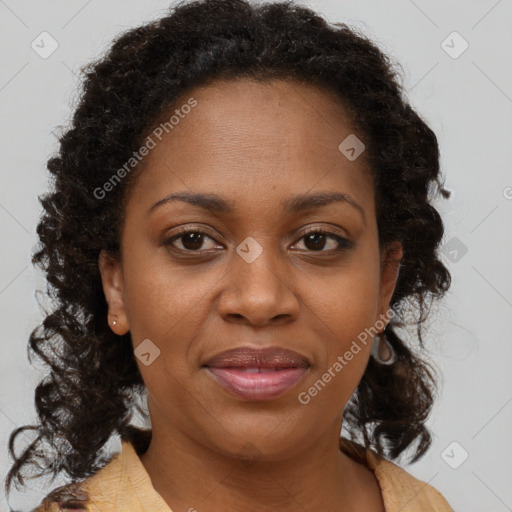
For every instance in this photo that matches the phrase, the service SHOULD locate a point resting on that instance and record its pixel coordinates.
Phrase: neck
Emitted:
(190, 475)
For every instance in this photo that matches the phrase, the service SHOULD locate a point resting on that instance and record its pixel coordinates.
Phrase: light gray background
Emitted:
(466, 100)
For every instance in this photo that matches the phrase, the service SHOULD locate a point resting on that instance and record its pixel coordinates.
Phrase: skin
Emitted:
(254, 144)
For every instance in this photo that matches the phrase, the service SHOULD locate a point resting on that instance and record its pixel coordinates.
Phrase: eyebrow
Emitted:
(293, 205)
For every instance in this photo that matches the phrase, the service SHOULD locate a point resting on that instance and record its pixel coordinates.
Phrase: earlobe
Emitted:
(390, 268)
(112, 282)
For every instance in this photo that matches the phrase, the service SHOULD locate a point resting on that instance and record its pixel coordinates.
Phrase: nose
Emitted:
(259, 293)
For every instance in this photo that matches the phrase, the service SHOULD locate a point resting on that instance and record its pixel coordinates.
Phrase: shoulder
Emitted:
(70, 497)
(402, 491)
(78, 496)
(111, 488)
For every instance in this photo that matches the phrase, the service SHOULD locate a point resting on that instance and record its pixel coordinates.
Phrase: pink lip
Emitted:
(257, 386)
(257, 373)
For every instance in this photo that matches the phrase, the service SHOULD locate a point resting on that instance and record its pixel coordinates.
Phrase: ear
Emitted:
(112, 281)
(390, 267)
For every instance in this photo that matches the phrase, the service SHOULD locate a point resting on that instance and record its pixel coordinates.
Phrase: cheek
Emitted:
(348, 297)
(161, 298)
(346, 307)
(345, 331)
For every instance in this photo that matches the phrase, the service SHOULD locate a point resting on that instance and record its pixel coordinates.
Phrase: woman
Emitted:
(240, 226)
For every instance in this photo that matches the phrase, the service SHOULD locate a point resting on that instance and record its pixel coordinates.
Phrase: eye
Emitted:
(191, 239)
(315, 241)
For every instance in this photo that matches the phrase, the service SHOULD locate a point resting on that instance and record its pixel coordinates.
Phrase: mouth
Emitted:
(257, 374)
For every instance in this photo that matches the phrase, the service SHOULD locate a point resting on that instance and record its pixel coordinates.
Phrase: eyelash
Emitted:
(343, 243)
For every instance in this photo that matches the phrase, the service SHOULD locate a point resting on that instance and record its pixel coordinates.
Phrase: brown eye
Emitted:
(316, 240)
(191, 240)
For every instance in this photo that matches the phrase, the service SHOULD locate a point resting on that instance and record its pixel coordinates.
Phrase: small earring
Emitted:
(382, 351)
(114, 322)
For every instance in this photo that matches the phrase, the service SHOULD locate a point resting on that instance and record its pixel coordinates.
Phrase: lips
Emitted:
(257, 374)
(271, 358)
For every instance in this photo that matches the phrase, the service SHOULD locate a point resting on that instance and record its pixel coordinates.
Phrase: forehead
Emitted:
(272, 137)
(277, 112)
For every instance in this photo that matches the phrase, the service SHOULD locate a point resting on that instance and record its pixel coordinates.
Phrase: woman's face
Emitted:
(252, 276)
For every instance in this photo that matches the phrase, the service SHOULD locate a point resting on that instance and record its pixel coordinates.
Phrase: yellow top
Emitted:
(123, 485)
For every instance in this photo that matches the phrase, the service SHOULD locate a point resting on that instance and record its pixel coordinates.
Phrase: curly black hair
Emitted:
(141, 78)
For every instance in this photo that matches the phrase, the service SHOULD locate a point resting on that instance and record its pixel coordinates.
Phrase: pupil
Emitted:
(315, 238)
(194, 238)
